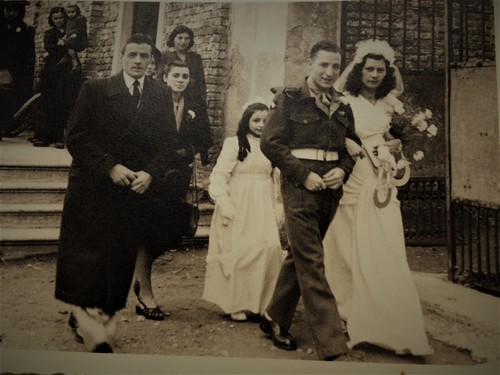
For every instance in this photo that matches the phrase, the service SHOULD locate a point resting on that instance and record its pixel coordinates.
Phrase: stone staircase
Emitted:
(33, 182)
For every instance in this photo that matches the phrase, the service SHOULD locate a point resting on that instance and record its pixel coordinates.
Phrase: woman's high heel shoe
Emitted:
(154, 313)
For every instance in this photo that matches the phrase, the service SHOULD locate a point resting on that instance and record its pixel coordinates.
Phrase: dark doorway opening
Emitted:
(146, 18)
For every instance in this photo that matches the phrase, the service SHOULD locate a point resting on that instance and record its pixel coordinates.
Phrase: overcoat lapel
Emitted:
(122, 111)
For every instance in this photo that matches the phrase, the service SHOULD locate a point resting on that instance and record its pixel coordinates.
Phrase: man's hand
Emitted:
(314, 182)
(121, 175)
(334, 178)
(141, 182)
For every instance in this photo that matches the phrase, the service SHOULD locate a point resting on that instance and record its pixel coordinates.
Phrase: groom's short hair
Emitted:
(324, 45)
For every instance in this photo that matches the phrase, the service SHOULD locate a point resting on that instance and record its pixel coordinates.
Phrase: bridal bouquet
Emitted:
(415, 127)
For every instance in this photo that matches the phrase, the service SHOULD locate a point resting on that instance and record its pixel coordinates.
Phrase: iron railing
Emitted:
(423, 207)
(474, 245)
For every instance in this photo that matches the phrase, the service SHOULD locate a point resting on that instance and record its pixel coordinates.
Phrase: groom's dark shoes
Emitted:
(280, 336)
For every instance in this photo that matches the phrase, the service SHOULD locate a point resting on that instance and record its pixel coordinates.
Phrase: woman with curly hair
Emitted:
(365, 253)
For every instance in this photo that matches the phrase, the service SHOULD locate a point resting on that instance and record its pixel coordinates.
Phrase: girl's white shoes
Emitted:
(239, 316)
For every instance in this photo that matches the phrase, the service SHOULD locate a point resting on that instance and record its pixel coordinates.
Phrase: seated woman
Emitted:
(192, 125)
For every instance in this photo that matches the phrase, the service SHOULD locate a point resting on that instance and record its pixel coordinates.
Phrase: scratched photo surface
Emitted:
(445, 52)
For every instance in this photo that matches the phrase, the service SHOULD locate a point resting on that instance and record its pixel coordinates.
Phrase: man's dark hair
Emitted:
(181, 29)
(139, 39)
(324, 45)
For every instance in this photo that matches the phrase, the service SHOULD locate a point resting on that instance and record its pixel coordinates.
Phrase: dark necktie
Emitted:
(136, 94)
(326, 99)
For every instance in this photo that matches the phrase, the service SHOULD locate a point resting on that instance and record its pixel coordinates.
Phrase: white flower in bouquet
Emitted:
(418, 118)
(422, 125)
(428, 114)
(432, 131)
(419, 155)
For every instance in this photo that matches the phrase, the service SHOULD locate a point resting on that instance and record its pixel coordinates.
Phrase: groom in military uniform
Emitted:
(305, 138)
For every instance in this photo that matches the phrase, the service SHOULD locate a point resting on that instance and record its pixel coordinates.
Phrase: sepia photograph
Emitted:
(285, 187)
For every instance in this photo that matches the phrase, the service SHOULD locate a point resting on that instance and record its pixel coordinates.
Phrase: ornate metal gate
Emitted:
(473, 147)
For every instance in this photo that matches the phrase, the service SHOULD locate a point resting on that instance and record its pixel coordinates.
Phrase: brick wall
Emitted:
(101, 23)
(210, 25)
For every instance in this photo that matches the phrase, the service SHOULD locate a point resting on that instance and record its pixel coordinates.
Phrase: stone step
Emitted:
(32, 191)
(40, 173)
(22, 215)
(48, 215)
(19, 243)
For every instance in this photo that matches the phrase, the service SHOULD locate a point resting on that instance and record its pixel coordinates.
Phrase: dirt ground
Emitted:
(32, 319)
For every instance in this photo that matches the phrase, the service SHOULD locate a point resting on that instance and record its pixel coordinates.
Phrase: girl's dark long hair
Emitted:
(354, 83)
(244, 128)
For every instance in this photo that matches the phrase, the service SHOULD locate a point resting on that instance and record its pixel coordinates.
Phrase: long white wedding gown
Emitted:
(365, 255)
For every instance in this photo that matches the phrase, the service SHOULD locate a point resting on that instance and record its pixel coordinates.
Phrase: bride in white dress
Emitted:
(365, 255)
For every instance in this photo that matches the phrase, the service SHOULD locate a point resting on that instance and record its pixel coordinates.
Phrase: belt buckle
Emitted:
(325, 153)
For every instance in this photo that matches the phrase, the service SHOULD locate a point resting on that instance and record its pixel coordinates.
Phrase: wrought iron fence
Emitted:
(423, 207)
(474, 247)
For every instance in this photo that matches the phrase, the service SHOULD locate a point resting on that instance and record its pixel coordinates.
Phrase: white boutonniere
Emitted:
(191, 114)
(18, 30)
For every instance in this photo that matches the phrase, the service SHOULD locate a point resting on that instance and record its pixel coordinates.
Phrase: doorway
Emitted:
(145, 18)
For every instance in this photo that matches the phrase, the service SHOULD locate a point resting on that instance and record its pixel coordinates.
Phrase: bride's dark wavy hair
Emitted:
(244, 128)
(354, 83)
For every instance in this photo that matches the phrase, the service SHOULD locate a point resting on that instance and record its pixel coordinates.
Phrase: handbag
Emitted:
(192, 214)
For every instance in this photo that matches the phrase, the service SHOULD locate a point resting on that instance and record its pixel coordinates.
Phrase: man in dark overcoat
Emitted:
(123, 145)
(305, 138)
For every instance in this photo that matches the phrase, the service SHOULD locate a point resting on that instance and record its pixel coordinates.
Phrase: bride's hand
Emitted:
(394, 145)
(354, 149)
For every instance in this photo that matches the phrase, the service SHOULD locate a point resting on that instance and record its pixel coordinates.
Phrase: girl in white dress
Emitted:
(365, 254)
(244, 250)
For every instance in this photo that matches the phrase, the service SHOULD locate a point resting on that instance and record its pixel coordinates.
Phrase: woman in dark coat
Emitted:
(17, 60)
(191, 120)
(59, 84)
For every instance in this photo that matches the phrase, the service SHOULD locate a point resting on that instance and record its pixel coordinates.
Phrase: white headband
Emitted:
(255, 99)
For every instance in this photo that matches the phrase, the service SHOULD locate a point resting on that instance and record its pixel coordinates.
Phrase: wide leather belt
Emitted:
(315, 154)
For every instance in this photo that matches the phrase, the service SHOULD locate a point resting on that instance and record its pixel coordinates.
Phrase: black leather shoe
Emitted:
(73, 323)
(103, 347)
(280, 336)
